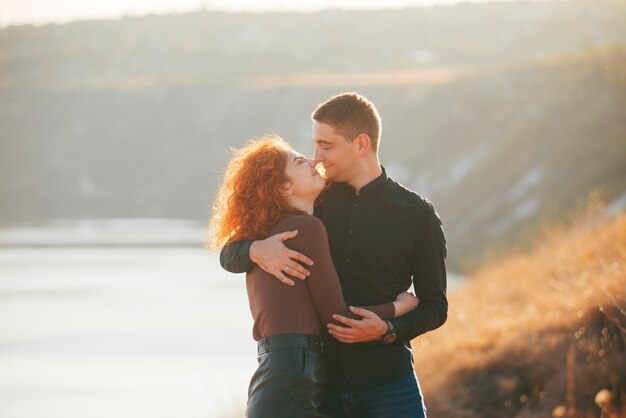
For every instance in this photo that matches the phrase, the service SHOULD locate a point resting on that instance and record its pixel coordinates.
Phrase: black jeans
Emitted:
(290, 381)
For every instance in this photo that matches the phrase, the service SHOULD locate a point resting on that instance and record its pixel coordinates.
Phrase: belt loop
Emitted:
(317, 342)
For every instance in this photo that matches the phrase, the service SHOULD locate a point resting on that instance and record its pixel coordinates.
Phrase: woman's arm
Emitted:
(323, 283)
(405, 302)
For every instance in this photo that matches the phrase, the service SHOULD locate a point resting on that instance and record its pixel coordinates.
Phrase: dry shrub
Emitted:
(538, 332)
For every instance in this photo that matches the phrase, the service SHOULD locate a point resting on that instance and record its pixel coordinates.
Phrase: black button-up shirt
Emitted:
(382, 240)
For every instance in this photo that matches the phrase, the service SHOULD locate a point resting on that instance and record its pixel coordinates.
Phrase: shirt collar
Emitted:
(377, 184)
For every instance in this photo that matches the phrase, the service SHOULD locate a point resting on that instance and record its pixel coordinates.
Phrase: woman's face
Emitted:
(305, 181)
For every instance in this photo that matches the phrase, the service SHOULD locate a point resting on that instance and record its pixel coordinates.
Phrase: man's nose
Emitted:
(318, 156)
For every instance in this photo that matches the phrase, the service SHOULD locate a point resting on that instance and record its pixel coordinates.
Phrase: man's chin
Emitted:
(329, 175)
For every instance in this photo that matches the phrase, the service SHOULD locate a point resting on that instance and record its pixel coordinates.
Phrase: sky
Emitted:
(39, 12)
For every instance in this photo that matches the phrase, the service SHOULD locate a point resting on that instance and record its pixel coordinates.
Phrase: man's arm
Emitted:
(270, 254)
(429, 282)
(235, 257)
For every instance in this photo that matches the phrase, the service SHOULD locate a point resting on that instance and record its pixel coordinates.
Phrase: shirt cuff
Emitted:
(400, 327)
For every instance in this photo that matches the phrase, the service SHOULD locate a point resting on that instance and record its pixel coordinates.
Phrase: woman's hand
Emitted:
(405, 302)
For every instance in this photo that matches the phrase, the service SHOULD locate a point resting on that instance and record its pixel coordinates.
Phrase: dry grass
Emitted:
(537, 334)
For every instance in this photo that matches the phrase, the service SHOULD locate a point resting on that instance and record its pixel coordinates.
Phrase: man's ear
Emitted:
(363, 144)
(286, 189)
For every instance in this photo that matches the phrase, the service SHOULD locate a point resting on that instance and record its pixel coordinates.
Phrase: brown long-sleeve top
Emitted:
(306, 307)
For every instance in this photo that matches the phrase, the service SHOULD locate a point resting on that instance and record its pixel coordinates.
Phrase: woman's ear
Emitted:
(286, 189)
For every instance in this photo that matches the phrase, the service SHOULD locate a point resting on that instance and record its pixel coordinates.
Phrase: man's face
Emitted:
(337, 155)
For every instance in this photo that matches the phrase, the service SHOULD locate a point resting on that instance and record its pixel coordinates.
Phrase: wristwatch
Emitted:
(390, 336)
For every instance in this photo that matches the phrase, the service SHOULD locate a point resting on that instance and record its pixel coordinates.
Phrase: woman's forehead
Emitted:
(293, 154)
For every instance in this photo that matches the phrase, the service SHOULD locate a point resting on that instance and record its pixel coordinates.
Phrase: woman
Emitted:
(268, 189)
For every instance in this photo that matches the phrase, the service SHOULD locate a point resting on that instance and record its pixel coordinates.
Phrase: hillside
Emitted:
(518, 146)
(217, 48)
(498, 118)
(539, 333)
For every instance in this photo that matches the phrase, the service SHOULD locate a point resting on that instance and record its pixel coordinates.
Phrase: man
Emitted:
(383, 238)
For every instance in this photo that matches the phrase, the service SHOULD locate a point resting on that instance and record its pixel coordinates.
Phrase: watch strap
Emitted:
(390, 335)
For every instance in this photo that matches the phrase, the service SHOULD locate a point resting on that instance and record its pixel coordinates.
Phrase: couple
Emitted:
(309, 247)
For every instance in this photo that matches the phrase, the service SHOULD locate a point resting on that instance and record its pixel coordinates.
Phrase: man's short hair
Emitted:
(350, 114)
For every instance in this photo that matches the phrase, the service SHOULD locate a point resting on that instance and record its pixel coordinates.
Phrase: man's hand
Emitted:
(370, 328)
(274, 257)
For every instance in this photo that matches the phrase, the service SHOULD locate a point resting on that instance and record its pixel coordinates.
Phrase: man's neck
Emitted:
(366, 172)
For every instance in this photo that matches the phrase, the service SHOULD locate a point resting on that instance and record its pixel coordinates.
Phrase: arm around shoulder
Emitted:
(235, 257)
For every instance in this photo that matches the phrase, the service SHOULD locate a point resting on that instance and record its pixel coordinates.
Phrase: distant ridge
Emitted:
(503, 114)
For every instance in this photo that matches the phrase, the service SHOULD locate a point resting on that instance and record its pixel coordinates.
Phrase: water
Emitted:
(122, 332)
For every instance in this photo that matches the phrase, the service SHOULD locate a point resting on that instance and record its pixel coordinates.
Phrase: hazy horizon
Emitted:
(40, 12)
(529, 90)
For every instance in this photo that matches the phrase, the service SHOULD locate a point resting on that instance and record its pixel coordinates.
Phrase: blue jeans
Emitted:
(400, 398)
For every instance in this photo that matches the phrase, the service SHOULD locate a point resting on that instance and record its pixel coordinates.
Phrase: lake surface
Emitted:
(122, 332)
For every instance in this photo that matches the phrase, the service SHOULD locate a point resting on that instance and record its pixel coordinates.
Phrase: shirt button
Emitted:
(350, 232)
(347, 260)
(356, 205)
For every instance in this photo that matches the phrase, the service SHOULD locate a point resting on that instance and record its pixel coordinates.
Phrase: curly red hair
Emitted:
(249, 201)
